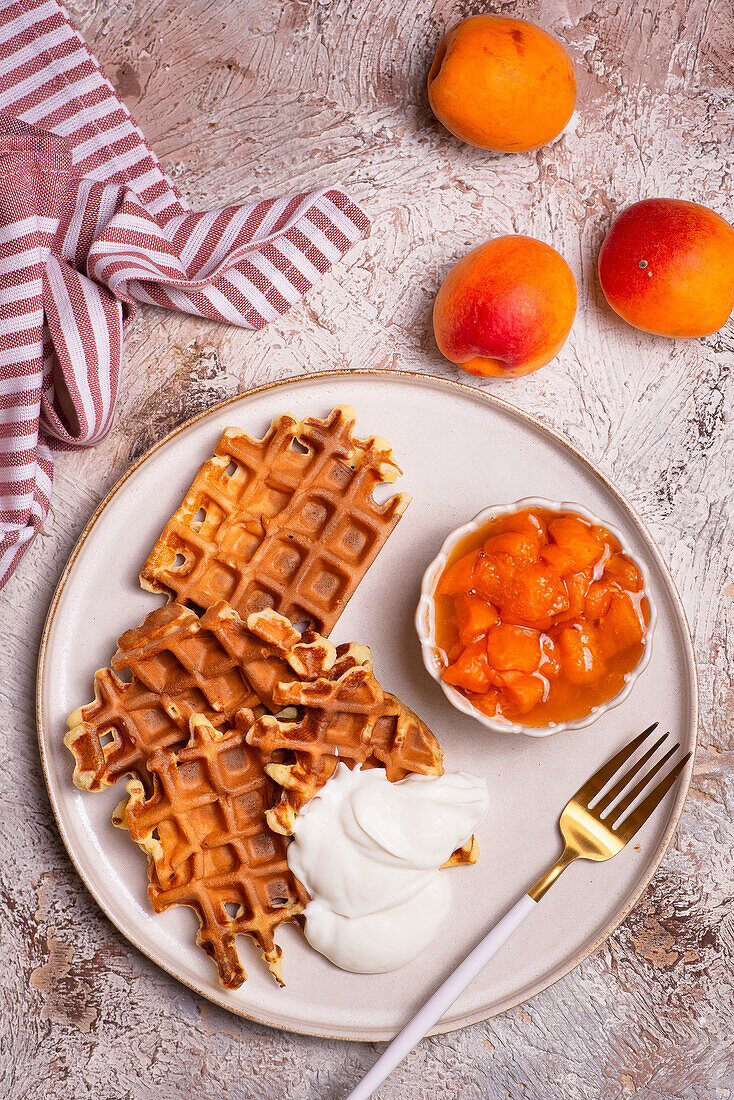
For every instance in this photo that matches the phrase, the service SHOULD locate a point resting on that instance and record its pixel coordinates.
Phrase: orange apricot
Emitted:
(502, 84)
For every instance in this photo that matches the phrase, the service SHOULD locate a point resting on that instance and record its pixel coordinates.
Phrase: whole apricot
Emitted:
(506, 308)
(502, 84)
(667, 266)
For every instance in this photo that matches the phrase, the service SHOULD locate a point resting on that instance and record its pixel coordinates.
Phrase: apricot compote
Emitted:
(541, 616)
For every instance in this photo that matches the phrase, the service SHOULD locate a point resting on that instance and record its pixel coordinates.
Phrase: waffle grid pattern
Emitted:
(209, 845)
(183, 665)
(287, 522)
(343, 718)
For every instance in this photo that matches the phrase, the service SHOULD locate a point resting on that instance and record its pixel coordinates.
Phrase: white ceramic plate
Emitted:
(460, 449)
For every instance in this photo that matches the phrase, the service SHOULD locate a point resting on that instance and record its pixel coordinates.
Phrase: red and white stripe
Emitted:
(89, 226)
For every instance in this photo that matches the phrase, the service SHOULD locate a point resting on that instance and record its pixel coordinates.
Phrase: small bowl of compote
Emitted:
(536, 617)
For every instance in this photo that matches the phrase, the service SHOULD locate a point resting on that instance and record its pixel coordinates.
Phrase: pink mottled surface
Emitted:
(243, 98)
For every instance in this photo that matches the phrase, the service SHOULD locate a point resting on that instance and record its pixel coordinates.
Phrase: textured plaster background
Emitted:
(246, 98)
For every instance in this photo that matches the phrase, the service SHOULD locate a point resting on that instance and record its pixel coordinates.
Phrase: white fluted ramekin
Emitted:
(425, 619)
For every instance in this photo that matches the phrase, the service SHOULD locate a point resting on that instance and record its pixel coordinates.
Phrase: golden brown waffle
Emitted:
(286, 522)
(216, 665)
(183, 665)
(209, 846)
(345, 717)
(206, 811)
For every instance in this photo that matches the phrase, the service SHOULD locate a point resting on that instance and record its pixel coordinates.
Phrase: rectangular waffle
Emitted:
(209, 846)
(181, 665)
(286, 522)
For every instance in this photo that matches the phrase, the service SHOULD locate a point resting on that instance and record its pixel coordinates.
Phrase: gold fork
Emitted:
(591, 829)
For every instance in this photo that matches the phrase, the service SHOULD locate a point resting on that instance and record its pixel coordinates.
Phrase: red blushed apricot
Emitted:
(506, 308)
(667, 266)
(502, 84)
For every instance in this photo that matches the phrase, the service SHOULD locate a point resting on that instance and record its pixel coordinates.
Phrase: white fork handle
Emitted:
(442, 999)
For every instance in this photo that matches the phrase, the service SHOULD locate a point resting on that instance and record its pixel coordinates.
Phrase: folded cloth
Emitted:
(89, 226)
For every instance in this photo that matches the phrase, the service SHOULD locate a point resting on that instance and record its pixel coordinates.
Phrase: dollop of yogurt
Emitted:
(369, 851)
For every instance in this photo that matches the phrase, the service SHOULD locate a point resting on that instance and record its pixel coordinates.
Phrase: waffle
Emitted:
(286, 522)
(345, 717)
(209, 845)
(207, 812)
(182, 665)
(216, 665)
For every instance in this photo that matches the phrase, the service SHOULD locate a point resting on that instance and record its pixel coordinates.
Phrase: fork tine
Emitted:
(627, 777)
(638, 788)
(607, 771)
(653, 800)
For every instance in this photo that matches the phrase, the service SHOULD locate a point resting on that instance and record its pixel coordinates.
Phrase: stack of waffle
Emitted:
(272, 533)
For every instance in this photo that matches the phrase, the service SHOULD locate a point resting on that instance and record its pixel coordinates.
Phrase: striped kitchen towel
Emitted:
(89, 226)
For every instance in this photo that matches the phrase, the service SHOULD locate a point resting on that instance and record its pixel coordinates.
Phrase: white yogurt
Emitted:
(369, 852)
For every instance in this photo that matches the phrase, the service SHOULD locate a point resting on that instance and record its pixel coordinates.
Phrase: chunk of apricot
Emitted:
(620, 569)
(576, 587)
(513, 648)
(550, 660)
(493, 574)
(520, 545)
(581, 660)
(474, 617)
(458, 577)
(558, 558)
(578, 538)
(598, 600)
(524, 689)
(536, 596)
(470, 670)
(621, 628)
(526, 522)
(488, 703)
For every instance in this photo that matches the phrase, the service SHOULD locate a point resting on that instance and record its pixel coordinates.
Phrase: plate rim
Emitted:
(490, 399)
